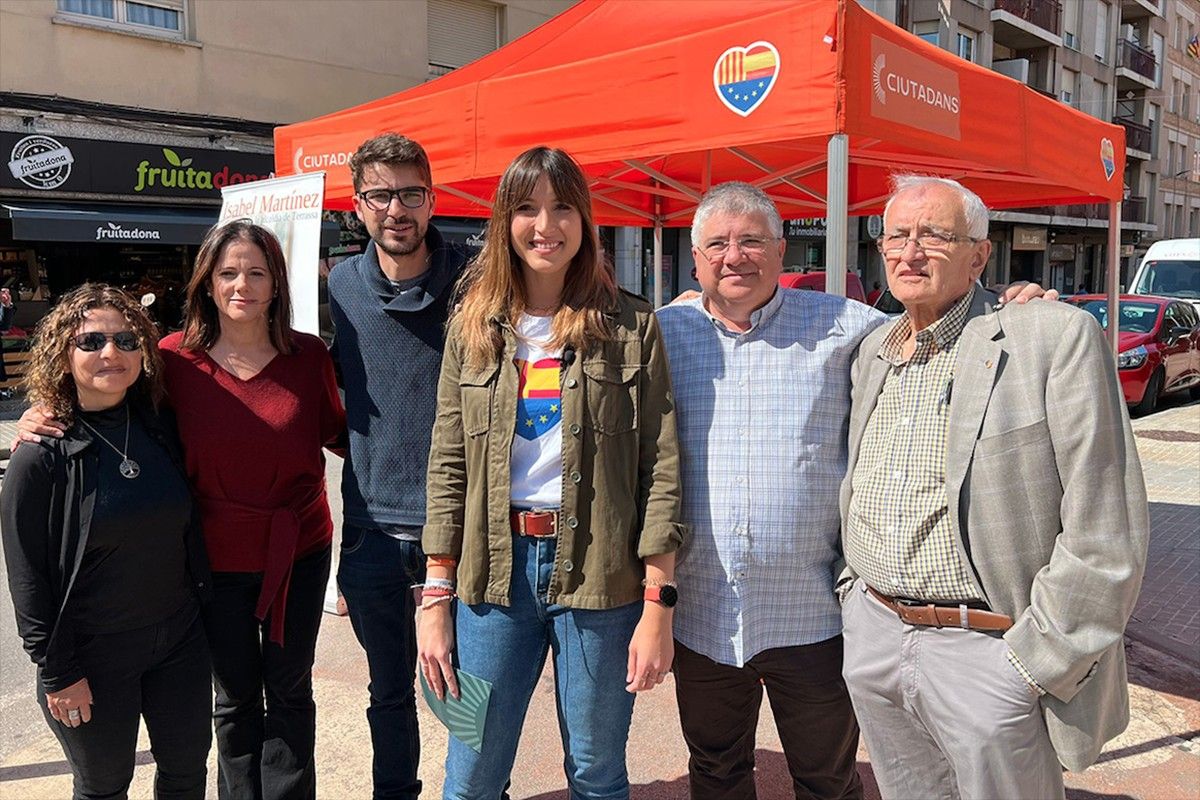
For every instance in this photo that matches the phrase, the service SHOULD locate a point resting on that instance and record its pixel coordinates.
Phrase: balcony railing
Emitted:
(1084, 211)
(1137, 135)
(1133, 209)
(1134, 57)
(1046, 14)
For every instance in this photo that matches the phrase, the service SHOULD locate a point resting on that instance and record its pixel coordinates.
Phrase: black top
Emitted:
(134, 567)
(47, 503)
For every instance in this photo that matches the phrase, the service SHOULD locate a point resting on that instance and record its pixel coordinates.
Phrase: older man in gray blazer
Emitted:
(994, 523)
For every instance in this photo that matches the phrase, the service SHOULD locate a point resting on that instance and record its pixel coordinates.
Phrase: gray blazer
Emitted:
(1046, 494)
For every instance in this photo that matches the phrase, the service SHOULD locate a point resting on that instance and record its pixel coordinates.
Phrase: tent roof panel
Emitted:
(660, 100)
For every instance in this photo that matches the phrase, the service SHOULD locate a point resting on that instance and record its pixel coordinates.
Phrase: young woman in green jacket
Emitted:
(553, 512)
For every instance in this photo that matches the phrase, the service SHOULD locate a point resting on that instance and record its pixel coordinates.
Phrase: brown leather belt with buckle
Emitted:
(960, 616)
(538, 524)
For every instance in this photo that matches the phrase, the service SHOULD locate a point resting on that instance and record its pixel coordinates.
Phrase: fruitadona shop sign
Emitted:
(57, 164)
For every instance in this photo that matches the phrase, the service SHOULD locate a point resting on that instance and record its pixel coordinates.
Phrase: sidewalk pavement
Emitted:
(1157, 758)
(8, 429)
(1167, 616)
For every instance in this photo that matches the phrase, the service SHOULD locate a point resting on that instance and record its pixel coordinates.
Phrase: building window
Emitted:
(459, 32)
(1152, 121)
(1157, 46)
(1103, 110)
(1070, 22)
(1101, 48)
(1070, 79)
(966, 43)
(927, 30)
(156, 16)
(1151, 196)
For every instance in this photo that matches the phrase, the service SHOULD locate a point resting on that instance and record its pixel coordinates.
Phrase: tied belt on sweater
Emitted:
(283, 536)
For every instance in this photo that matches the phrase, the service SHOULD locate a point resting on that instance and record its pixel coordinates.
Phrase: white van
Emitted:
(1170, 268)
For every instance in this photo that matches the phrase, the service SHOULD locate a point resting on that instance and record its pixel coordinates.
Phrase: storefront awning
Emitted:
(120, 224)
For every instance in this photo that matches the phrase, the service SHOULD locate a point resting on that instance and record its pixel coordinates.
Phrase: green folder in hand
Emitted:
(464, 718)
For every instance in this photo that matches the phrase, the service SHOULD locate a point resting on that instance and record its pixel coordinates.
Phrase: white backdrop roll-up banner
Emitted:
(291, 209)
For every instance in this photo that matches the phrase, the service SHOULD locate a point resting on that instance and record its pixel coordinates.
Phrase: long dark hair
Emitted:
(202, 325)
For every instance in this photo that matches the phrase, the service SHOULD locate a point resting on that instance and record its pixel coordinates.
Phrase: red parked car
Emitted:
(1159, 345)
(816, 282)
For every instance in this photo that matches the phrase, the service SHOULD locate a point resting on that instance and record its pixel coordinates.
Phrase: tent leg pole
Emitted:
(1112, 277)
(837, 169)
(658, 257)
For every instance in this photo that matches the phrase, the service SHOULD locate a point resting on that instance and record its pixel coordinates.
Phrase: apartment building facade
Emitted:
(1115, 60)
(121, 119)
(1177, 200)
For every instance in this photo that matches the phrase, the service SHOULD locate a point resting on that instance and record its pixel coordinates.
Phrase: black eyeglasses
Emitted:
(381, 199)
(91, 342)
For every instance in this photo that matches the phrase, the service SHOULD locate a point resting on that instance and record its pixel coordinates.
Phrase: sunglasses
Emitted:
(91, 342)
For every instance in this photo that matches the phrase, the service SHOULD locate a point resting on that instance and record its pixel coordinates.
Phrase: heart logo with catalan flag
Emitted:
(1108, 158)
(744, 76)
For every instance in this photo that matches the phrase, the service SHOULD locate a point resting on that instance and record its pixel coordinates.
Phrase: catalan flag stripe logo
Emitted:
(744, 75)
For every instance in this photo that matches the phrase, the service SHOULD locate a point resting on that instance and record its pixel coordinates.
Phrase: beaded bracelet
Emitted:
(434, 600)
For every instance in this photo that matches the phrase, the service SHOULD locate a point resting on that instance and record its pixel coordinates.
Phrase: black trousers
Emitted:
(718, 708)
(265, 717)
(160, 673)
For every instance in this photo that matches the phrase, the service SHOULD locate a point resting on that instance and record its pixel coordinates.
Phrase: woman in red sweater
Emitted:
(256, 402)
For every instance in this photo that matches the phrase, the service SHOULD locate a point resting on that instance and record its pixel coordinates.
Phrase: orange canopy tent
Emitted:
(816, 101)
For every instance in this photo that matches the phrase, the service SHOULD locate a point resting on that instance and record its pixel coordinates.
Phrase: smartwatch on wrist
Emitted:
(666, 594)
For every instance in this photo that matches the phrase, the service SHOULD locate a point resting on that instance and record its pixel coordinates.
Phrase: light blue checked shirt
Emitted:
(762, 419)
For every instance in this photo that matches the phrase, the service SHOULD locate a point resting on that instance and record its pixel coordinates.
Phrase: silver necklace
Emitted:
(128, 467)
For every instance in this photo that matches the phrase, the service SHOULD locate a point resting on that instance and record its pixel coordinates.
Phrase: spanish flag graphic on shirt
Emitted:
(539, 406)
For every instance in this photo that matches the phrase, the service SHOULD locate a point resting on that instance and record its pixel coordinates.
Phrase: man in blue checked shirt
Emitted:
(762, 386)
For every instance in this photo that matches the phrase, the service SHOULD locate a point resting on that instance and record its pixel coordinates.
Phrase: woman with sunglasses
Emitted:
(553, 492)
(105, 559)
(256, 402)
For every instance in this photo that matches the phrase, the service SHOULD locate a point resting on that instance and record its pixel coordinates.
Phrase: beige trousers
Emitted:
(943, 712)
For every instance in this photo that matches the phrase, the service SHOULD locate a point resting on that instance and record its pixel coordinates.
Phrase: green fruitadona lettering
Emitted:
(179, 174)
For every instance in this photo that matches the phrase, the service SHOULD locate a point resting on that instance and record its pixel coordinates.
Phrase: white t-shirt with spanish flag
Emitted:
(537, 441)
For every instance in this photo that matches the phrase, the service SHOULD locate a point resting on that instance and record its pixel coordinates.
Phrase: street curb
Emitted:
(1164, 644)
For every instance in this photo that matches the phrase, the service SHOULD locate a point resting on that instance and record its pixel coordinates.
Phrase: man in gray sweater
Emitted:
(389, 308)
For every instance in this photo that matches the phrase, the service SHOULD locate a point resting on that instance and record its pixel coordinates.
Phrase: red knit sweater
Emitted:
(253, 454)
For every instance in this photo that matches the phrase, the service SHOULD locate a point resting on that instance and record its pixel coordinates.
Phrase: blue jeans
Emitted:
(376, 574)
(508, 646)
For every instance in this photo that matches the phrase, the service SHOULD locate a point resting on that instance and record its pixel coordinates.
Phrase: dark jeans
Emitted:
(265, 749)
(718, 708)
(159, 672)
(376, 574)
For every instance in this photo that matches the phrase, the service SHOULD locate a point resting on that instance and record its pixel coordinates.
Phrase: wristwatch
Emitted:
(666, 593)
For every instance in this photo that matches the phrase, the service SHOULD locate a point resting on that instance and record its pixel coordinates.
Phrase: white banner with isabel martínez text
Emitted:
(291, 209)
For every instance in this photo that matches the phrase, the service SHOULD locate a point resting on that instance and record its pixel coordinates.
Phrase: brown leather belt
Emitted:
(539, 524)
(975, 619)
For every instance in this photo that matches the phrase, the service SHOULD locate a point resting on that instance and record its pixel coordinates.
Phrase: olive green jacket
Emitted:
(620, 491)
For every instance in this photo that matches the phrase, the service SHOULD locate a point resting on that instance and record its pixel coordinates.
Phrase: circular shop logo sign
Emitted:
(41, 162)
